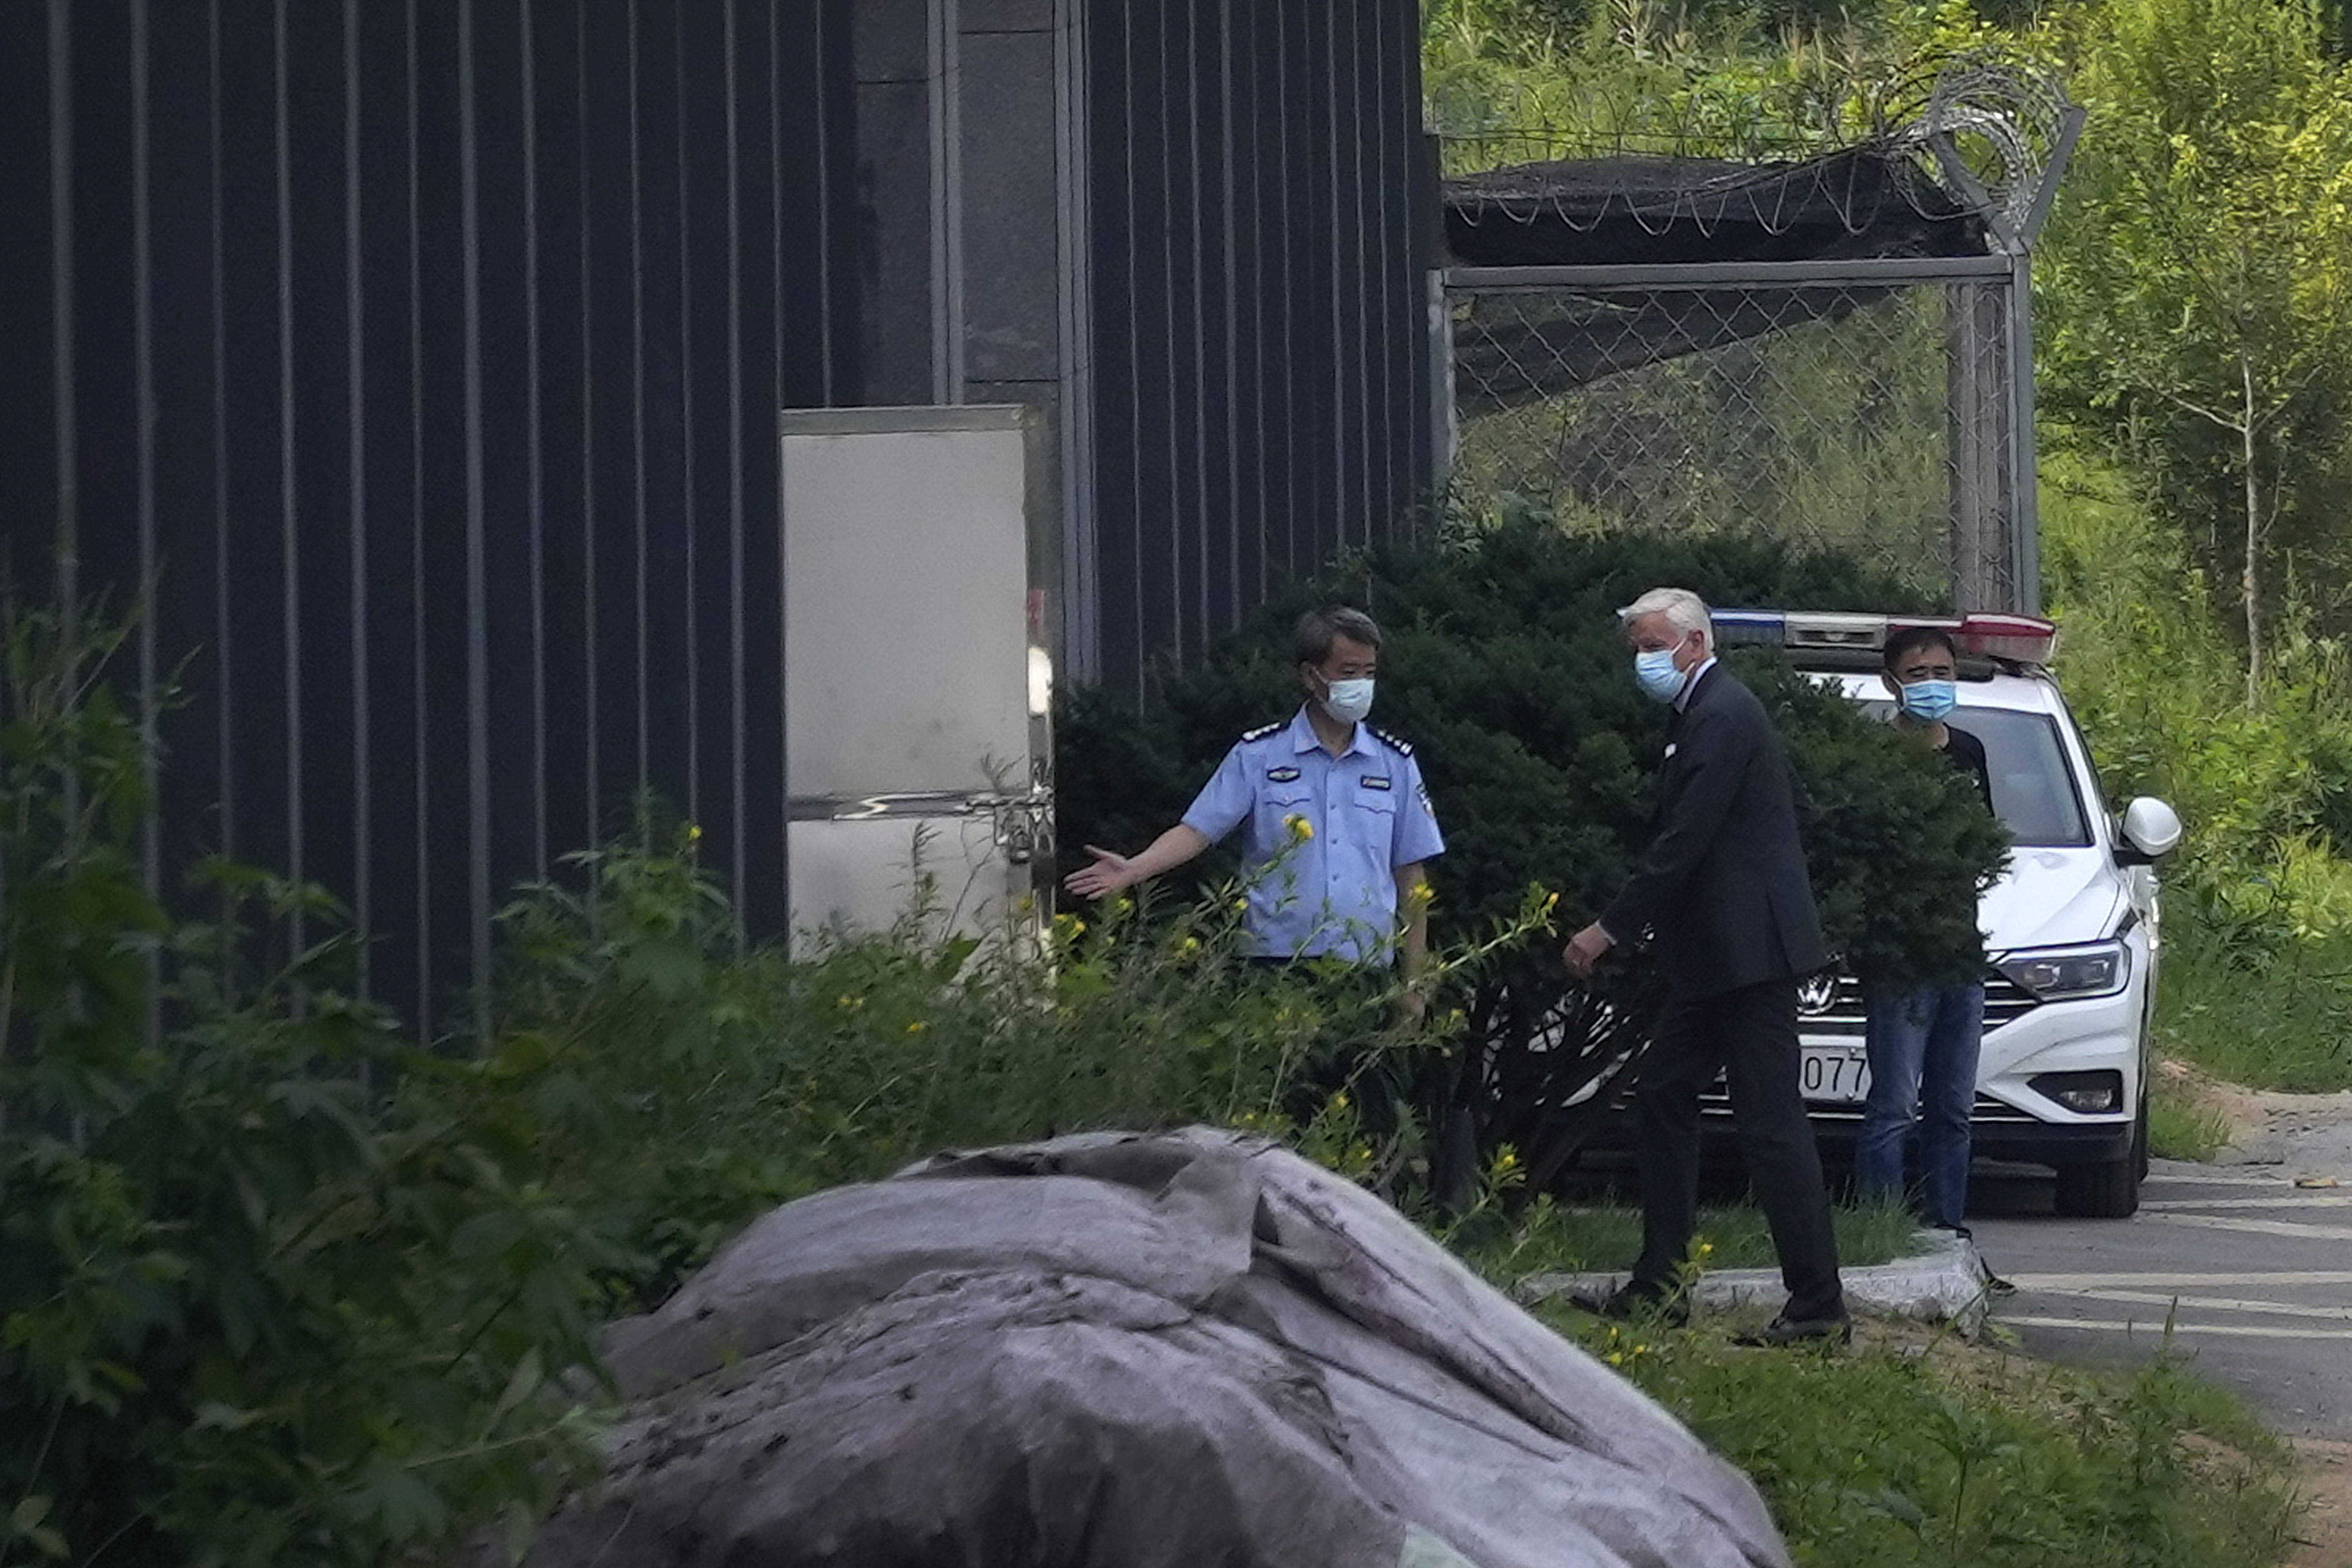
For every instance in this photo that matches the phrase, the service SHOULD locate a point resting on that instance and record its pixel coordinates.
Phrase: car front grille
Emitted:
(1837, 1009)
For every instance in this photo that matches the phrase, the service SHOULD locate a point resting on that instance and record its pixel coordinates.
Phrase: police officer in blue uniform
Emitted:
(1337, 826)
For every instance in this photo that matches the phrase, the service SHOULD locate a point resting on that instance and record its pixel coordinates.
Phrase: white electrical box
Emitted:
(917, 673)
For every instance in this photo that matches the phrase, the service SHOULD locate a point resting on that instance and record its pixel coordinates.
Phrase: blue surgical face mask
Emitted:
(1930, 701)
(1654, 673)
(1349, 700)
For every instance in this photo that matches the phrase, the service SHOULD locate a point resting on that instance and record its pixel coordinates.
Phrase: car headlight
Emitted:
(2061, 974)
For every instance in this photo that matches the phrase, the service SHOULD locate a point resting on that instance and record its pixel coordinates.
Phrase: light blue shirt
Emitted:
(1334, 892)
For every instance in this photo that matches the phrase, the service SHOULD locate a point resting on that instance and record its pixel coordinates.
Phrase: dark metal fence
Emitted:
(426, 354)
(1262, 204)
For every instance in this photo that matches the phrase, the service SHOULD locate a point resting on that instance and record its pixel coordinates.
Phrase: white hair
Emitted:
(1684, 611)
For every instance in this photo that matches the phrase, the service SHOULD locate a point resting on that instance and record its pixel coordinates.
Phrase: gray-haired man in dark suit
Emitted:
(1724, 893)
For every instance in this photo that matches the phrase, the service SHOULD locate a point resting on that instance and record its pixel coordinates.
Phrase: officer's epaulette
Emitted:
(1402, 748)
(1263, 731)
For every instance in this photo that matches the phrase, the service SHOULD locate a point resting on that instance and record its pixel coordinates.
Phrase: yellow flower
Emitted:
(1423, 893)
(1507, 1160)
(1300, 828)
(1242, 904)
(850, 1004)
(1551, 900)
(693, 832)
(1190, 944)
(916, 1028)
(1340, 1101)
(1614, 1359)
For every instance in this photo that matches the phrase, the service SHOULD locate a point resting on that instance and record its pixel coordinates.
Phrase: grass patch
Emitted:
(1915, 1448)
(2267, 1018)
(2181, 1125)
(1586, 1237)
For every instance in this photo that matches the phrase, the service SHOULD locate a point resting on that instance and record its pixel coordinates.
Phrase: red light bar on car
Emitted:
(2028, 639)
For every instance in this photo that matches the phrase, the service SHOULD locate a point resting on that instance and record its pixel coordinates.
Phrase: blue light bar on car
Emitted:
(1748, 629)
(2027, 639)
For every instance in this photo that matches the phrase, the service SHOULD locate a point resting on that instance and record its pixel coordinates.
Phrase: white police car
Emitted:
(2070, 929)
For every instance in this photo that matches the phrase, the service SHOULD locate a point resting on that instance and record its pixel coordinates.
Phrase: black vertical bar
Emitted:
(362, 618)
(317, 453)
(738, 879)
(28, 459)
(534, 461)
(477, 697)
(773, 912)
(1165, 619)
(688, 648)
(1239, 524)
(390, 684)
(641, 693)
(224, 688)
(257, 522)
(290, 510)
(66, 433)
(1295, 233)
(590, 665)
(143, 253)
(183, 411)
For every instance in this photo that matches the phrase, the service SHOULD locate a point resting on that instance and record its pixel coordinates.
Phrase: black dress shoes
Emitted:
(1631, 1302)
(1788, 1330)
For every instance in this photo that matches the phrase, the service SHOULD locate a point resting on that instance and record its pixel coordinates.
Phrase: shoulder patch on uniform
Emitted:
(1375, 780)
(1281, 775)
(1263, 731)
(1402, 748)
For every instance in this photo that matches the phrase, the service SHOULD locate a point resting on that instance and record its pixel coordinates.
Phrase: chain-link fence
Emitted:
(1865, 405)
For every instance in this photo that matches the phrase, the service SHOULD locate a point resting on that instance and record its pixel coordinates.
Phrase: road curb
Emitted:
(1945, 1282)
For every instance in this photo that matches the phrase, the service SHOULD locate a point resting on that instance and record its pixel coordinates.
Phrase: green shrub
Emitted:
(671, 1082)
(247, 1315)
(1504, 666)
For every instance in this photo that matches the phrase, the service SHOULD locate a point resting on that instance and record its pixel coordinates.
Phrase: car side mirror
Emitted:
(2150, 831)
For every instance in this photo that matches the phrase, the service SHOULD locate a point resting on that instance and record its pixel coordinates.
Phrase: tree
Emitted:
(2200, 271)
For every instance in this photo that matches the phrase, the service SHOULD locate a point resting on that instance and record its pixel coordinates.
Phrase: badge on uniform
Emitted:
(1375, 780)
(1281, 775)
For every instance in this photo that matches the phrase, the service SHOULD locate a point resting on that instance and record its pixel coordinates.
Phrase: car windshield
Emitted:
(2032, 789)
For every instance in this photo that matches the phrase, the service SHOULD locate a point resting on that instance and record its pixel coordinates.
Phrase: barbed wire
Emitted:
(1977, 135)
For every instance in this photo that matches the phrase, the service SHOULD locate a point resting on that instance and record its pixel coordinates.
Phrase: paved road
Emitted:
(2252, 1274)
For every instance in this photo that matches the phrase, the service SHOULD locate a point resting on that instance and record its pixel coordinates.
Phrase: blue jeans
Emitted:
(1923, 1043)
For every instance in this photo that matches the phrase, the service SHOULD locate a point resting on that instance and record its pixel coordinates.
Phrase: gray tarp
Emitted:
(1121, 1352)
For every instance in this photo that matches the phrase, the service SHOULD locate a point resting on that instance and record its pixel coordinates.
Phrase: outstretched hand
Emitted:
(1108, 874)
(1584, 949)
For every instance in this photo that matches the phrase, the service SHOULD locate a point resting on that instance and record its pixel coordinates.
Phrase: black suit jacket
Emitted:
(1724, 886)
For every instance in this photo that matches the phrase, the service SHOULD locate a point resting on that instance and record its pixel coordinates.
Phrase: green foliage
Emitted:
(2256, 982)
(1503, 665)
(1902, 1456)
(670, 1083)
(247, 1314)
(2197, 282)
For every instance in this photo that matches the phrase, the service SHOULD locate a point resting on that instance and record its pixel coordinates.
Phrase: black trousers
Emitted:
(1750, 1034)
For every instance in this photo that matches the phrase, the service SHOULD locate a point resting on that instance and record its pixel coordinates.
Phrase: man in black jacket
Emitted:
(1724, 893)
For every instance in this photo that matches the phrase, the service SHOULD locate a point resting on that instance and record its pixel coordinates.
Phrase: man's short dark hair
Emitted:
(1318, 630)
(1904, 641)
